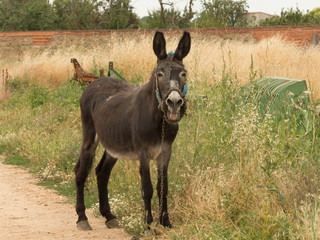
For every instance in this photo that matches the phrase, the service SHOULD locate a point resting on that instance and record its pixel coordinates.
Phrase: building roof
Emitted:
(260, 13)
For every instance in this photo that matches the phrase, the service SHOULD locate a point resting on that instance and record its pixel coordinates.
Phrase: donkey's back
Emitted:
(101, 89)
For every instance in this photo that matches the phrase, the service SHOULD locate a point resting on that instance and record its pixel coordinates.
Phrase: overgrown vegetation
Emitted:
(222, 13)
(293, 17)
(233, 174)
(33, 15)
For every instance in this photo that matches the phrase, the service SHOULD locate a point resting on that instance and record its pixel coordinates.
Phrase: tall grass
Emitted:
(232, 175)
(134, 58)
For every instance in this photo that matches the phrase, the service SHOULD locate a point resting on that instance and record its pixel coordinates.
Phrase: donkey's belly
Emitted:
(153, 152)
(122, 155)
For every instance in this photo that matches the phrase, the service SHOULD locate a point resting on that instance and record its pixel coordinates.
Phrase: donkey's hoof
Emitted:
(169, 226)
(84, 225)
(113, 223)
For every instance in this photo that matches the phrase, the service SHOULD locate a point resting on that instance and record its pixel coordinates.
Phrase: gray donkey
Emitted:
(133, 123)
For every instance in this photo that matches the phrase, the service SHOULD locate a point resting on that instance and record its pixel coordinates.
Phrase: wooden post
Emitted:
(101, 73)
(110, 72)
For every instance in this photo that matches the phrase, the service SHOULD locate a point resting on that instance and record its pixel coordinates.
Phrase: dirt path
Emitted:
(28, 211)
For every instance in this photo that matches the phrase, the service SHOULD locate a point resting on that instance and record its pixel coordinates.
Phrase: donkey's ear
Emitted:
(159, 46)
(183, 47)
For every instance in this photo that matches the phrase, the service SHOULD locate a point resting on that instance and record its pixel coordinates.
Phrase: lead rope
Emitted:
(161, 176)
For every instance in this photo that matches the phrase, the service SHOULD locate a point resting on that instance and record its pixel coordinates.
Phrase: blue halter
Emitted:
(185, 90)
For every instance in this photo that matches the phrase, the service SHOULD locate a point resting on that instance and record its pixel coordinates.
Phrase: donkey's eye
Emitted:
(160, 74)
(183, 74)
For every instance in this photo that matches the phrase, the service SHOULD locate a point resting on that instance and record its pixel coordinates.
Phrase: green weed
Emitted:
(233, 173)
(18, 160)
(17, 84)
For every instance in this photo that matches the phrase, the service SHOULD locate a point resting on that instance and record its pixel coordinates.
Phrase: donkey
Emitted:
(133, 123)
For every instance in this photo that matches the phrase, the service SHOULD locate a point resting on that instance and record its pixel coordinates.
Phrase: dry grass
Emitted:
(4, 77)
(271, 57)
(134, 57)
(3, 93)
(310, 218)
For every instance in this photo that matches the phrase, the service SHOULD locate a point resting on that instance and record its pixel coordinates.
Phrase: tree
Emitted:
(169, 17)
(95, 14)
(314, 17)
(26, 15)
(222, 13)
(293, 17)
(38, 15)
(76, 14)
(118, 14)
(30, 15)
(9, 12)
(290, 17)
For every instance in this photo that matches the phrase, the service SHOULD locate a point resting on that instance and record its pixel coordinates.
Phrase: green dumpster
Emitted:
(281, 97)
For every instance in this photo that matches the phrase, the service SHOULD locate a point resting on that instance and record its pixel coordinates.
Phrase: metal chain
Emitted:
(162, 131)
(161, 175)
(161, 194)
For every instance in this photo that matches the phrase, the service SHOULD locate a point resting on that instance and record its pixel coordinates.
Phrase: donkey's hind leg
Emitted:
(103, 172)
(82, 169)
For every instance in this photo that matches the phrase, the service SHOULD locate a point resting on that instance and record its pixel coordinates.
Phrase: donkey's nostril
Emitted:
(180, 102)
(169, 102)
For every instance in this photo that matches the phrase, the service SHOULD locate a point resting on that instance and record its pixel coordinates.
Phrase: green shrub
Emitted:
(17, 84)
(37, 95)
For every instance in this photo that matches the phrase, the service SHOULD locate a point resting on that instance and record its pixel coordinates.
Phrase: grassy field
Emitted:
(135, 59)
(233, 174)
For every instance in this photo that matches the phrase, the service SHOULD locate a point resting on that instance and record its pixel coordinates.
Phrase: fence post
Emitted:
(110, 72)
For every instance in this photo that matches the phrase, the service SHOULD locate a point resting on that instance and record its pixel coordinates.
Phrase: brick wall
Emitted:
(302, 36)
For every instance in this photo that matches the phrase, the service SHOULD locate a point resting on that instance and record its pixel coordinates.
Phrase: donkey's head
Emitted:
(170, 77)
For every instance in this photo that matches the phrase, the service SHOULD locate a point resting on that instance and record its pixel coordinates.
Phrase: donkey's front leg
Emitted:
(162, 186)
(146, 186)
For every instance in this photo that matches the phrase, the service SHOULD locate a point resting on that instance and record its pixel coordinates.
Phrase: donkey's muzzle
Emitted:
(174, 102)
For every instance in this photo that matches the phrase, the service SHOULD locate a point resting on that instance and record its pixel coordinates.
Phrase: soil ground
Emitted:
(29, 211)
